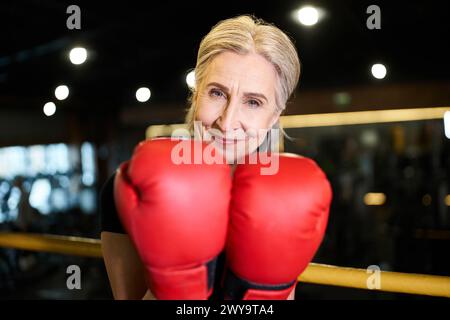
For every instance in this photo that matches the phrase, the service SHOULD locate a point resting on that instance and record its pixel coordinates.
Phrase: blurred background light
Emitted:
(40, 194)
(374, 199)
(379, 71)
(78, 55)
(61, 92)
(308, 16)
(49, 109)
(447, 200)
(447, 124)
(88, 163)
(190, 79)
(426, 200)
(369, 138)
(341, 99)
(143, 94)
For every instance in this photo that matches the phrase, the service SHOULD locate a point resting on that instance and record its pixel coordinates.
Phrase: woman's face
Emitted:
(236, 102)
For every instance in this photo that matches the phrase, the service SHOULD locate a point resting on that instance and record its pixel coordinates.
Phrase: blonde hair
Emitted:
(247, 34)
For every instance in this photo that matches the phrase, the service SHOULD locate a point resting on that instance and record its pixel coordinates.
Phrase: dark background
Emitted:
(154, 44)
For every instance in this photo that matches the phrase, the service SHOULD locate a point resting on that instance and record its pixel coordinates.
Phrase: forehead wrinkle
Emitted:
(238, 85)
(234, 74)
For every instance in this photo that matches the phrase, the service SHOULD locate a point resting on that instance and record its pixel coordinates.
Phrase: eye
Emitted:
(254, 103)
(216, 93)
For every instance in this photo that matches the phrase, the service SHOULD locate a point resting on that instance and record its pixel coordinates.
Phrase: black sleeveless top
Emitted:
(109, 219)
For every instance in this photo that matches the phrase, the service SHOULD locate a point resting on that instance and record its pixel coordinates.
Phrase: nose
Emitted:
(228, 121)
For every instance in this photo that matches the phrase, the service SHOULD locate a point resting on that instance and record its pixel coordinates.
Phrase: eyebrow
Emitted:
(247, 94)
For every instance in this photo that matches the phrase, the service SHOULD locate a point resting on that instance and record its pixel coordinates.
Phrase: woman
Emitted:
(246, 71)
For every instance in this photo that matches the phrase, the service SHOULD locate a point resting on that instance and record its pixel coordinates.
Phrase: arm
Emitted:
(149, 296)
(292, 295)
(124, 268)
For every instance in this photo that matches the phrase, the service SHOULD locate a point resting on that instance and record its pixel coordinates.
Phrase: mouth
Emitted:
(227, 141)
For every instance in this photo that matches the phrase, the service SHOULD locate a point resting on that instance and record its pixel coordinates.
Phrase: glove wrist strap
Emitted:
(236, 288)
(190, 283)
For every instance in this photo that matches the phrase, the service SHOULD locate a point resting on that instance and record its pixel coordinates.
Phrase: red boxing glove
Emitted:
(176, 215)
(277, 223)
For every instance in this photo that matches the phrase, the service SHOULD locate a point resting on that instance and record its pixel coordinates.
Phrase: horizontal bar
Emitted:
(362, 117)
(332, 119)
(76, 246)
(409, 283)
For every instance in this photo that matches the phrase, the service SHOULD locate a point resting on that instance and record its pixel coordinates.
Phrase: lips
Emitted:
(227, 141)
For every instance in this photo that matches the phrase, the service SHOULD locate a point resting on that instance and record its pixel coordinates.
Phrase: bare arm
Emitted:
(292, 295)
(124, 268)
